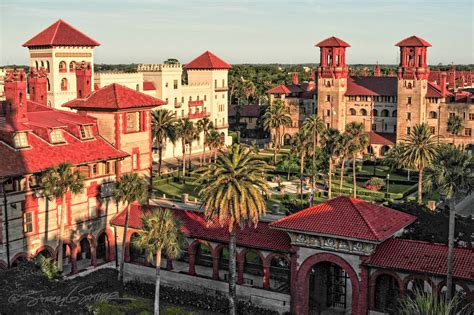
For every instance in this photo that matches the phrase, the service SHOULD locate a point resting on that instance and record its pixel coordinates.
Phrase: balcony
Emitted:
(178, 105)
(221, 89)
(198, 115)
(196, 103)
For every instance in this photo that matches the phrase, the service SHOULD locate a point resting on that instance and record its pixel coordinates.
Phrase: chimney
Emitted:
(83, 80)
(442, 83)
(37, 85)
(377, 70)
(294, 79)
(15, 95)
(452, 78)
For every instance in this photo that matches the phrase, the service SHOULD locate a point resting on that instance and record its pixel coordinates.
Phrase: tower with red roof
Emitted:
(58, 49)
(332, 81)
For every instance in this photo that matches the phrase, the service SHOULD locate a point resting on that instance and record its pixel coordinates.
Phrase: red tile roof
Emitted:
(148, 86)
(60, 34)
(114, 96)
(372, 86)
(349, 218)
(246, 110)
(195, 226)
(382, 138)
(42, 154)
(280, 89)
(434, 90)
(207, 61)
(332, 42)
(413, 41)
(422, 257)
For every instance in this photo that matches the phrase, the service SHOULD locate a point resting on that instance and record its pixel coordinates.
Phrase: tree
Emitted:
(130, 188)
(315, 126)
(454, 125)
(163, 129)
(359, 140)
(290, 163)
(451, 173)
(344, 150)
(301, 147)
(215, 142)
(249, 90)
(232, 190)
(186, 132)
(275, 118)
(330, 141)
(59, 181)
(205, 126)
(160, 233)
(418, 151)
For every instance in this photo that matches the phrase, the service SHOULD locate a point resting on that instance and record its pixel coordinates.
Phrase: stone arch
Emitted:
(72, 66)
(384, 113)
(45, 248)
(18, 258)
(221, 263)
(279, 276)
(370, 149)
(85, 249)
(375, 112)
(363, 112)
(287, 139)
(109, 244)
(394, 113)
(373, 281)
(134, 254)
(352, 112)
(414, 277)
(3, 265)
(384, 149)
(62, 66)
(302, 285)
(252, 268)
(463, 285)
(195, 257)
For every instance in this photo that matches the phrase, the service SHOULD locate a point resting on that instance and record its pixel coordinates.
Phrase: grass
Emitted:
(380, 171)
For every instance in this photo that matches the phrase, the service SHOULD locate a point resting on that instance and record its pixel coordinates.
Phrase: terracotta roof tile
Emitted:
(115, 96)
(246, 110)
(382, 138)
(347, 217)
(60, 33)
(372, 86)
(422, 257)
(207, 61)
(413, 41)
(148, 86)
(332, 42)
(195, 226)
(280, 89)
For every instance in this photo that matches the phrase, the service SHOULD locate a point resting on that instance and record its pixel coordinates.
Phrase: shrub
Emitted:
(374, 183)
(49, 268)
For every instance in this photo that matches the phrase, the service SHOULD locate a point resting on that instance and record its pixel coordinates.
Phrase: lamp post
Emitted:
(388, 184)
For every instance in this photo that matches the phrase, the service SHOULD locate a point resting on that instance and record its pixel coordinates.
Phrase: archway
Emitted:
(420, 284)
(286, 139)
(223, 262)
(69, 262)
(103, 248)
(252, 272)
(280, 273)
(18, 259)
(84, 254)
(137, 255)
(386, 293)
(336, 281)
(384, 149)
(203, 259)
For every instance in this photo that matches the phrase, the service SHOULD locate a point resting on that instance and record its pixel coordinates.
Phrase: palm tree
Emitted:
(215, 142)
(330, 141)
(454, 125)
(186, 132)
(344, 150)
(451, 173)
(249, 90)
(359, 141)
(231, 190)
(276, 117)
(163, 129)
(314, 125)
(130, 188)
(160, 233)
(205, 126)
(59, 181)
(418, 151)
(301, 147)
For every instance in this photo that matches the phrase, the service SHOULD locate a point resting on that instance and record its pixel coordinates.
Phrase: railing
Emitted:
(221, 89)
(198, 115)
(196, 103)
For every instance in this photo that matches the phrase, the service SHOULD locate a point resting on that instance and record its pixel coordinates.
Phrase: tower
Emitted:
(377, 71)
(15, 95)
(83, 80)
(412, 87)
(58, 49)
(37, 85)
(332, 82)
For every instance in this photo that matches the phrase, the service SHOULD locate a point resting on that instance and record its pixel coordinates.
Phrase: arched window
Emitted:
(36, 62)
(352, 112)
(49, 85)
(138, 87)
(64, 84)
(363, 112)
(433, 115)
(386, 293)
(375, 113)
(42, 64)
(62, 66)
(394, 113)
(384, 113)
(409, 86)
(47, 65)
(72, 66)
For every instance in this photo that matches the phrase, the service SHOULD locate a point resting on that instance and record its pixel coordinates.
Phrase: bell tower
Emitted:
(412, 87)
(332, 82)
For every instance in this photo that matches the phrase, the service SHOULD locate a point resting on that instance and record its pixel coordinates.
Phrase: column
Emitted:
(266, 274)
(192, 262)
(93, 256)
(240, 268)
(294, 301)
(169, 264)
(215, 266)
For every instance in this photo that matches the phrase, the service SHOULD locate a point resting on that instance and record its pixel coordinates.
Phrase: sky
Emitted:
(258, 31)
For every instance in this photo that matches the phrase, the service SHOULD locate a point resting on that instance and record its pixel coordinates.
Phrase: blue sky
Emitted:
(258, 31)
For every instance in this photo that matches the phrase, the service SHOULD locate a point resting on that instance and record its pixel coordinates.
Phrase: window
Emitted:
(166, 85)
(95, 170)
(57, 136)
(363, 112)
(63, 84)
(215, 83)
(182, 99)
(409, 100)
(110, 167)
(328, 112)
(20, 139)
(433, 130)
(328, 98)
(205, 97)
(374, 127)
(471, 116)
(467, 131)
(433, 115)
(408, 130)
(452, 114)
(86, 132)
(133, 121)
(223, 82)
(375, 113)
(83, 171)
(175, 84)
(175, 101)
(62, 66)
(223, 96)
(28, 222)
(385, 113)
(352, 111)
(394, 113)
(135, 161)
(72, 66)
(93, 213)
(408, 116)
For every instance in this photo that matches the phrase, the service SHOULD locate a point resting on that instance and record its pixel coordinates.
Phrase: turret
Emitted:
(37, 85)
(15, 95)
(84, 80)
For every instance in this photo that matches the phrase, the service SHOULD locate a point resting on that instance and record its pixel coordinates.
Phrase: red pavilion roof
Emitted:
(372, 86)
(60, 34)
(413, 41)
(422, 257)
(194, 225)
(148, 86)
(332, 42)
(382, 138)
(347, 217)
(280, 89)
(113, 97)
(207, 61)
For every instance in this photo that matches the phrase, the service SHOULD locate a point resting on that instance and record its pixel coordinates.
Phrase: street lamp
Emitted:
(388, 184)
